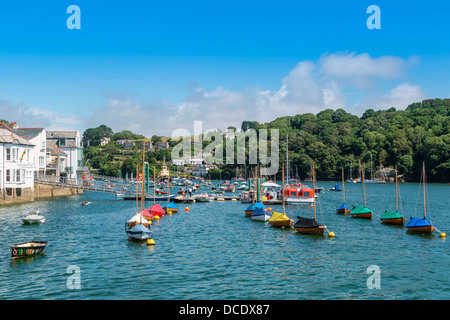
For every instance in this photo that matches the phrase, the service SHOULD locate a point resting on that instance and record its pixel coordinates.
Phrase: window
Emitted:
(14, 154)
(41, 161)
(43, 145)
(8, 154)
(28, 155)
(8, 175)
(293, 194)
(62, 142)
(306, 193)
(18, 175)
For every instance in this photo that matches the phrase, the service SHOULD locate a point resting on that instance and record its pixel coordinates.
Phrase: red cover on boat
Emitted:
(156, 210)
(146, 213)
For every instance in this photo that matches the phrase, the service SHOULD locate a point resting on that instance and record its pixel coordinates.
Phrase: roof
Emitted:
(28, 133)
(61, 134)
(55, 151)
(6, 136)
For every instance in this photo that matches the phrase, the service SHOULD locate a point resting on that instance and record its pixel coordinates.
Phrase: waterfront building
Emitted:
(70, 143)
(16, 167)
(38, 137)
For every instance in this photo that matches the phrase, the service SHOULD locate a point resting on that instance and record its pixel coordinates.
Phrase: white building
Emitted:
(70, 143)
(16, 167)
(36, 136)
(104, 141)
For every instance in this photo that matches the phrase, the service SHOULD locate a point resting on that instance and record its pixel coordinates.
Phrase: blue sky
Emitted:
(135, 62)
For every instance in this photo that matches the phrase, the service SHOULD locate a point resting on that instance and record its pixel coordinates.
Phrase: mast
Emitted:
(287, 159)
(364, 191)
(314, 188)
(424, 210)
(143, 173)
(137, 186)
(255, 185)
(282, 174)
(154, 185)
(396, 192)
(168, 187)
(343, 184)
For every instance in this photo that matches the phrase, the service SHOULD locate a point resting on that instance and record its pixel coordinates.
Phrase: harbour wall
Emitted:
(23, 195)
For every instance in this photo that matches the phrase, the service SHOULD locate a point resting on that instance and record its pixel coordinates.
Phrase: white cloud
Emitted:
(308, 87)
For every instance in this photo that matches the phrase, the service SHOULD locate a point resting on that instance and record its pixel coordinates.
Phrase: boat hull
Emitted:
(33, 220)
(299, 200)
(28, 249)
(367, 215)
(249, 213)
(394, 221)
(423, 230)
(262, 217)
(343, 211)
(310, 230)
(281, 224)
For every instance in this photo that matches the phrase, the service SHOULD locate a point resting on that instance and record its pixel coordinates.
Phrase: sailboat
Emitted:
(279, 219)
(137, 228)
(307, 225)
(171, 207)
(362, 212)
(418, 225)
(390, 217)
(344, 208)
(260, 212)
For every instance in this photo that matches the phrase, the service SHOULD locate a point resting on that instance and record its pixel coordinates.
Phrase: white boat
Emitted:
(202, 198)
(261, 215)
(33, 218)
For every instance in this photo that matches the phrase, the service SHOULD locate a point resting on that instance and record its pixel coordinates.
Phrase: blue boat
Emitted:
(138, 232)
(170, 207)
(261, 215)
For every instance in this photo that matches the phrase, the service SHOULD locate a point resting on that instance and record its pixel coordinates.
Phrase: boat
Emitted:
(27, 249)
(33, 217)
(171, 207)
(137, 228)
(159, 191)
(421, 225)
(335, 188)
(260, 214)
(202, 198)
(229, 188)
(251, 208)
(299, 194)
(156, 210)
(391, 217)
(362, 212)
(85, 203)
(279, 219)
(344, 209)
(308, 225)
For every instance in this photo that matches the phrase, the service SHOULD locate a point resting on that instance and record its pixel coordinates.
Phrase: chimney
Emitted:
(13, 125)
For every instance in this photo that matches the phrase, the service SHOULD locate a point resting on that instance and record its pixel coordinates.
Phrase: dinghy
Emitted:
(279, 219)
(260, 215)
(27, 249)
(390, 217)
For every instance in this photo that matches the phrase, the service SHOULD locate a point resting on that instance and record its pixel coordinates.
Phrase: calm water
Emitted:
(215, 252)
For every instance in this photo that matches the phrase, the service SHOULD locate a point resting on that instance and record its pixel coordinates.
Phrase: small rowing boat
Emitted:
(27, 249)
(33, 217)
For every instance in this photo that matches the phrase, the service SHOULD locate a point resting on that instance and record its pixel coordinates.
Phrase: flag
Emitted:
(21, 158)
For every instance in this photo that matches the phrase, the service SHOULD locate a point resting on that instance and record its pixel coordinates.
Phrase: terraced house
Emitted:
(16, 167)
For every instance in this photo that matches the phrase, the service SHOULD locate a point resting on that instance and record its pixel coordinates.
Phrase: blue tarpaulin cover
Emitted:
(344, 206)
(260, 205)
(259, 212)
(418, 222)
(170, 206)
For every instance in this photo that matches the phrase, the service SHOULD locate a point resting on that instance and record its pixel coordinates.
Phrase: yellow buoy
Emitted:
(151, 242)
(331, 234)
(156, 217)
(442, 235)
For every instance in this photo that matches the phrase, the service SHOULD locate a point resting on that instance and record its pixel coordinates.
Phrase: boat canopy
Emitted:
(140, 228)
(260, 205)
(418, 222)
(306, 223)
(156, 210)
(278, 217)
(344, 206)
(391, 215)
(171, 205)
(360, 210)
(138, 218)
(259, 212)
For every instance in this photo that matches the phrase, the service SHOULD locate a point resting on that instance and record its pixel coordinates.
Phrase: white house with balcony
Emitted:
(69, 142)
(16, 167)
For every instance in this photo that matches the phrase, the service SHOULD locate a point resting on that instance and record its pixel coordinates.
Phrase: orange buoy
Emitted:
(186, 209)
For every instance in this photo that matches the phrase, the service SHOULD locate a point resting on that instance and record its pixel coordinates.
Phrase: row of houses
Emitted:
(27, 152)
(129, 145)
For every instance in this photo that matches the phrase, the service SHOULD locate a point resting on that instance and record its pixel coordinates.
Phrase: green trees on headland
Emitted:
(332, 139)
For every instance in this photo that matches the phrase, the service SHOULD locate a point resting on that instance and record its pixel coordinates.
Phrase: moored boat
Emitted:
(33, 217)
(260, 215)
(27, 249)
(299, 194)
(344, 209)
(279, 219)
(362, 212)
(393, 217)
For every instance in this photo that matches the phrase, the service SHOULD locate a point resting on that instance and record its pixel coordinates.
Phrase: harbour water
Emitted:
(214, 252)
